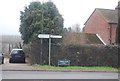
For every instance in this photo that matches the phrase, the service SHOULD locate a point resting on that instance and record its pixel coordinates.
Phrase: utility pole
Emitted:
(42, 33)
(9, 48)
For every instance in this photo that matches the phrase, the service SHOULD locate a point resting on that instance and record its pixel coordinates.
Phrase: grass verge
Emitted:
(76, 68)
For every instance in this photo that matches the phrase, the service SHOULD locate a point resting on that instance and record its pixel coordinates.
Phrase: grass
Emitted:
(76, 68)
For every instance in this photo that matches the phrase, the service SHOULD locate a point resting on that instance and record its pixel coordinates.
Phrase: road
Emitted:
(57, 75)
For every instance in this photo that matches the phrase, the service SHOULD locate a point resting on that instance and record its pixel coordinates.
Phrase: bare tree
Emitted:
(76, 28)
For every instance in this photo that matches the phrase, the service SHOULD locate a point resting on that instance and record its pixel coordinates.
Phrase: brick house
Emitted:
(104, 23)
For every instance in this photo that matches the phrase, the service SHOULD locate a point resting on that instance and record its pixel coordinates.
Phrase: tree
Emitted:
(118, 32)
(40, 18)
(76, 28)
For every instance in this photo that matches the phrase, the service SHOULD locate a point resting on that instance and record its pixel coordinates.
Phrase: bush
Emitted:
(82, 55)
(90, 55)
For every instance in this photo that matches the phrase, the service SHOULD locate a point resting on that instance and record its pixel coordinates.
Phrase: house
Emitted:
(104, 23)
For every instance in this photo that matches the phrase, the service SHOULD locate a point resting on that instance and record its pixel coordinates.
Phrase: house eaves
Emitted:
(90, 16)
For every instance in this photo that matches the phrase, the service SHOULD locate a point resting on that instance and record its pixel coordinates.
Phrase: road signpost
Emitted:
(43, 36)
(49, 36)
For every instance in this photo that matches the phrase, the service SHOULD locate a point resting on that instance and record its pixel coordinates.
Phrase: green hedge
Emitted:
(82, 55)
(88, 55)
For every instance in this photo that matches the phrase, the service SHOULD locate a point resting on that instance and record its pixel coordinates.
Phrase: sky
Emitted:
(73, 12)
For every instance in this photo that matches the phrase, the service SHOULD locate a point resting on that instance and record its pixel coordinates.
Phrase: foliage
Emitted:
(118, 33)
(80, 55)
(40, 18)
(91, 55)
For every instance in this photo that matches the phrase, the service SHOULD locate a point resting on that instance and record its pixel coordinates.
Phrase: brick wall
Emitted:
(114, 26)
(97, 24)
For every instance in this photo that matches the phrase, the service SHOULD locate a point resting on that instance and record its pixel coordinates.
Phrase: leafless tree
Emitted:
(76, 28)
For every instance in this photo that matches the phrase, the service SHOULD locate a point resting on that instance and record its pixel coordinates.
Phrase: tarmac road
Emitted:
(57, 75)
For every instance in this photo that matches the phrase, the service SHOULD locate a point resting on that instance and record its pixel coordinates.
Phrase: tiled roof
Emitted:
(81, 38)
(91, 38)
(110, 15)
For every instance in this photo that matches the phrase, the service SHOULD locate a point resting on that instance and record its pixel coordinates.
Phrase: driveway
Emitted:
(16, 66)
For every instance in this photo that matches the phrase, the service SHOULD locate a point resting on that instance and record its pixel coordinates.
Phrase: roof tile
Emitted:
(110, 15)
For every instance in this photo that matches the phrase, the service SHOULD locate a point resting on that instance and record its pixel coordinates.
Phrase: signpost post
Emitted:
(48, 36)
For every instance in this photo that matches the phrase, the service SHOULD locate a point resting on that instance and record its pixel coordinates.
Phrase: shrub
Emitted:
(81, 55)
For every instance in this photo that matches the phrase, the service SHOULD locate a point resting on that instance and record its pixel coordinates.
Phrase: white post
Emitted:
(49, 49)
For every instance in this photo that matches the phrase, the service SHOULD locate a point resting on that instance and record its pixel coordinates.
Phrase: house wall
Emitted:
(98, 25)
(113, 33)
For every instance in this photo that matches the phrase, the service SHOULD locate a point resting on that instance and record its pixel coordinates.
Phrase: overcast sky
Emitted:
(73, 12)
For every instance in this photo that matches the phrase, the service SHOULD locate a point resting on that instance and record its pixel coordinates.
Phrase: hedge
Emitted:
(82, 55)
(88, 55)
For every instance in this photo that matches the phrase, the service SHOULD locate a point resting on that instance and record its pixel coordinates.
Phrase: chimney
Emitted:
(118, 8)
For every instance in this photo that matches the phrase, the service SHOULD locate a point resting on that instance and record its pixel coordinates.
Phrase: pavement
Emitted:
(27, 67)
